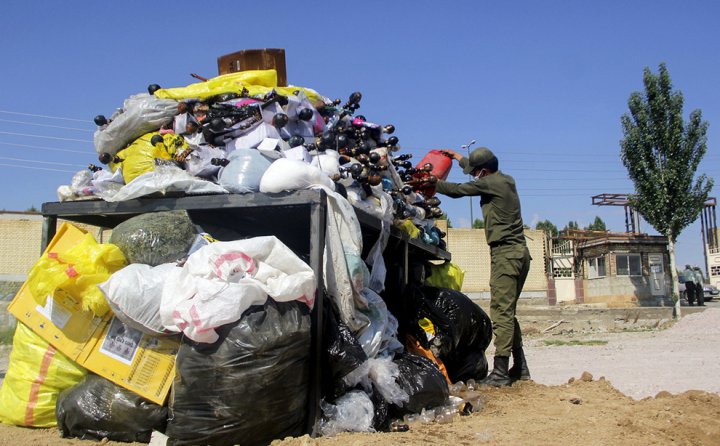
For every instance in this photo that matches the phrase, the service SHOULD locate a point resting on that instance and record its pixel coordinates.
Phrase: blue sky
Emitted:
(542, 83)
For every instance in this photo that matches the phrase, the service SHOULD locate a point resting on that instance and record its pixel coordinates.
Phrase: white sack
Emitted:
(220, 281)
(288, 175)
(135, 292)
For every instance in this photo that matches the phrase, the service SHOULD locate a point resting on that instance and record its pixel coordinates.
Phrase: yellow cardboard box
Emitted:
(104, 345)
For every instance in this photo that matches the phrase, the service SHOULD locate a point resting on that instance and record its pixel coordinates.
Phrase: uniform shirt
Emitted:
(500, 205)
(689, 275)
(699, 279)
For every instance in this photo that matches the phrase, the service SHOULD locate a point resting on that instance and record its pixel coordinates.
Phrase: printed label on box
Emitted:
(121, 342)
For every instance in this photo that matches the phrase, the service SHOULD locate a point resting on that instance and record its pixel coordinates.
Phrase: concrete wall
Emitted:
(471, 253)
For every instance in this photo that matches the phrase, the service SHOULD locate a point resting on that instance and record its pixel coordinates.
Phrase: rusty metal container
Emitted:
(259, 59)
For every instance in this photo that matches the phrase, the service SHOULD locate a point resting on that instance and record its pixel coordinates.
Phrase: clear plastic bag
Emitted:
(141, 113)
(352, 412)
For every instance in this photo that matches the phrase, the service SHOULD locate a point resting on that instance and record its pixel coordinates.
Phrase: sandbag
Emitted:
(140, 114)
(96, 408)
(249, 387)
(244, 171)
(36, 375)
(155, 238)
(422, 381)
(463, 332)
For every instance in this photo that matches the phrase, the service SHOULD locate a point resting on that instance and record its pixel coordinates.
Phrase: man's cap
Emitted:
(478, 157)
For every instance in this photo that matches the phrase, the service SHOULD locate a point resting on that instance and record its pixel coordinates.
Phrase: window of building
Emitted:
(562, 272)
(628, 264)
(715, 270)
(596, 267)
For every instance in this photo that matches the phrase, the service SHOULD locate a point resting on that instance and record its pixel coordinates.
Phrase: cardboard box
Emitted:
(104, 345)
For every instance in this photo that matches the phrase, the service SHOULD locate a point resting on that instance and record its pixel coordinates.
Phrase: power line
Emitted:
(46, 137)
(44, 116)
(45, 125)
(54, 149)
(36, 161)
(37, 168)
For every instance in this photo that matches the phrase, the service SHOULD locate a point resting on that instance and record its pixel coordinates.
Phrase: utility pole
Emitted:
(467, 148)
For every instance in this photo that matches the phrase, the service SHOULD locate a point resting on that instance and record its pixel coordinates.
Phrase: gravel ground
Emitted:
(640, 364)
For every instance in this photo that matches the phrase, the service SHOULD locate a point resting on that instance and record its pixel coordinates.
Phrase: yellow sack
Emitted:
(77, 271)
(255, 82)
(409, 228)
(446, 275)
(139, 157)
(36, 375)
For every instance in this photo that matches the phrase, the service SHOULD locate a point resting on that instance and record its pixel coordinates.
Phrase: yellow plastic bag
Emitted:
(139, 157)
(36, 375)
(409, 228)
(77, 271)
(255, 82)
(446, 275)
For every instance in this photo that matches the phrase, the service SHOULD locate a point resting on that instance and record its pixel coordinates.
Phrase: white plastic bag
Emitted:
(134, 293)
(286, 174)
(383, 372)
(328, 162)
(220, 281)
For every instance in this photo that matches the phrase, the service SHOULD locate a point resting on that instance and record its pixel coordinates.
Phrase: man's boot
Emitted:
(519, 370)
(499, 376)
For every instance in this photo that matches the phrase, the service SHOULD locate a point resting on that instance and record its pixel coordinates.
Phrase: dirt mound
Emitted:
(587, 413)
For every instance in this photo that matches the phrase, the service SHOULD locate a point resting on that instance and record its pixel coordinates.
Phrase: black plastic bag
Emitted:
(96, 408)
(155, 238)
(462, 332)
(342, 352)
(424, 383)
(249, 387)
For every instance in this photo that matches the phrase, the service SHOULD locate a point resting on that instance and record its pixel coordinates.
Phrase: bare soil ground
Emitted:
(656, 385)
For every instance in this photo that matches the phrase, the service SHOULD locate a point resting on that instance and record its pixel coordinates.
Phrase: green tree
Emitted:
(548, 227)
(661, 154)
(597, 225)
(32, 209)
(478, 223)
(571, 225)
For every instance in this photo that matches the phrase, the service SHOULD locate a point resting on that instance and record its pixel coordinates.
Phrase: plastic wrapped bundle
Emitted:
(155, 238)
(96, 408)
(251, 386)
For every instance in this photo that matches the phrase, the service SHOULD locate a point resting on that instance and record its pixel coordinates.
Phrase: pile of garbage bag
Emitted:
(167, 328)
(241, 133)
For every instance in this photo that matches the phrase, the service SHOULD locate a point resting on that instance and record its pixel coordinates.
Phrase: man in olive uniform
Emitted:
(510, 258)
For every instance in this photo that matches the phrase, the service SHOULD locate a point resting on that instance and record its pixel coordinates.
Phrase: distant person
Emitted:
(510, 258)
(699, 285)
(689, 278)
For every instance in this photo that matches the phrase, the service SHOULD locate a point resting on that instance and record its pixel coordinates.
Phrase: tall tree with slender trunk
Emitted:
(661, 154)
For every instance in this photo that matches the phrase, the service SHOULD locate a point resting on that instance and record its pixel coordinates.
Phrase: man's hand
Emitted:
(451, 154)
